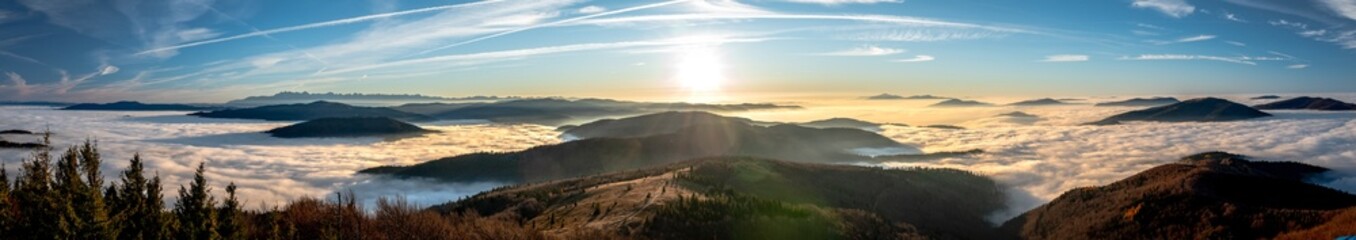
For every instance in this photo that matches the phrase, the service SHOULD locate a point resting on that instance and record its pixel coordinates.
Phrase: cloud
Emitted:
(1173, 8)
(591, 9)
(1297, 66)
(1055, 155)
(268, 170)
(108, 69)
(483, 57)
(1345, 8)
(1288, 23)
(918, 58)
(1066, 58)
(883, 19)
(1233, 17)
(554, 23)
(924, 35)
(1153, 57)
(837, 2)
(330, 23)
(1236, 43)
(864, 50)
(1195, 38)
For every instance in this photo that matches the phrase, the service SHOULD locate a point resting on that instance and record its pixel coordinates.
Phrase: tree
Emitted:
(135, 203)
(36, 201)
(229, 218)
(195, 210)
(7, 220)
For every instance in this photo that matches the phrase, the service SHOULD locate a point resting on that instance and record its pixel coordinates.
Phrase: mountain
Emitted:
(1039, 102)
(1140, 102)
(135, 106)
(649, 125)
(43, 104)
(348, 127)
(349, 98)
(925, 97)
(309, 111)
(1309, 103)
(942, 126)
(961, 103)
(843, 123)
(885, 96)
(1266, 97)
(555, 111)
(8, 144)
(16, 131)
(606, 153)
(1205, 196)
(751, 198)
(1017, 114)
(1194, 110)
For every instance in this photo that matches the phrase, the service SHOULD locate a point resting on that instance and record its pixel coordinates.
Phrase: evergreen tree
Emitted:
(35, 200)
(90, 206)
(195, 210)
(6, 216)
(132, 205)
(155, 224)
(229, 218)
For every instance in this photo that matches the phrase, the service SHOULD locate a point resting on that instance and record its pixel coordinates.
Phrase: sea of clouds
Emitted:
(268, 170)
(1038, 158)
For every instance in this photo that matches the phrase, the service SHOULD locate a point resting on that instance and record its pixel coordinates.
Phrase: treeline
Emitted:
(65, 197)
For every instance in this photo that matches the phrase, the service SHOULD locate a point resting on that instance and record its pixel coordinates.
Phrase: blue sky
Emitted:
(211, 51)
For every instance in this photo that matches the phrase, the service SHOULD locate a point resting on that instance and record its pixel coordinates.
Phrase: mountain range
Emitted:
(1194, 110)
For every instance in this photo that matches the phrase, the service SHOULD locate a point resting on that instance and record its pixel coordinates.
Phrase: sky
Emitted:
(689, 50)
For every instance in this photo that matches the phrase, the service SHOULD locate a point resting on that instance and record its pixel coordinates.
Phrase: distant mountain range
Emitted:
(348, 127)
(554, 111)
(961, 103)
(1140, 102)
(887, 96)
(625, 144)
(136, 106)
(1309, 103)
(1263, 97)
(1018, 114)
(1194, 110)
(1039, 102)
(350, 98)
(1205, 196)
(844, 123)
(310, 111)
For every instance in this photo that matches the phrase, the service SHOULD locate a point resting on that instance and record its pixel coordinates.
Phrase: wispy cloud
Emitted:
(555, 23)
(1157, 57)
(1297, 66)
(1346, 8)
(864, 50)
(837, 2)
(918, 58)
(1232, 17)
(591, 9)
(474, 58)
(1196, 38)
(924, 35)
(330, 23)
(1173, 8)
(1236, 43)
(1066, 58)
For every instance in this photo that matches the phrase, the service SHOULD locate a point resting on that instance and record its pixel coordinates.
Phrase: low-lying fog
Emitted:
(1040, 157)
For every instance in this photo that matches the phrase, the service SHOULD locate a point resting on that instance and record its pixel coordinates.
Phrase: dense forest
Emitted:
(65, 197)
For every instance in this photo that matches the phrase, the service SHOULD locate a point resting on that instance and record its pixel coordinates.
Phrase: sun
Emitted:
(699, 70)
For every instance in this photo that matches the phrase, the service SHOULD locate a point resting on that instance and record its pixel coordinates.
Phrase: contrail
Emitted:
(585, 17)
(319, 24)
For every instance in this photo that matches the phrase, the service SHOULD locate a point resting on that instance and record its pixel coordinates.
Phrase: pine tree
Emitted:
(7, 220)
(90, 206)
(156, 225)
(195, 210)
(229, 218)
(132, 205)
(37, 218)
